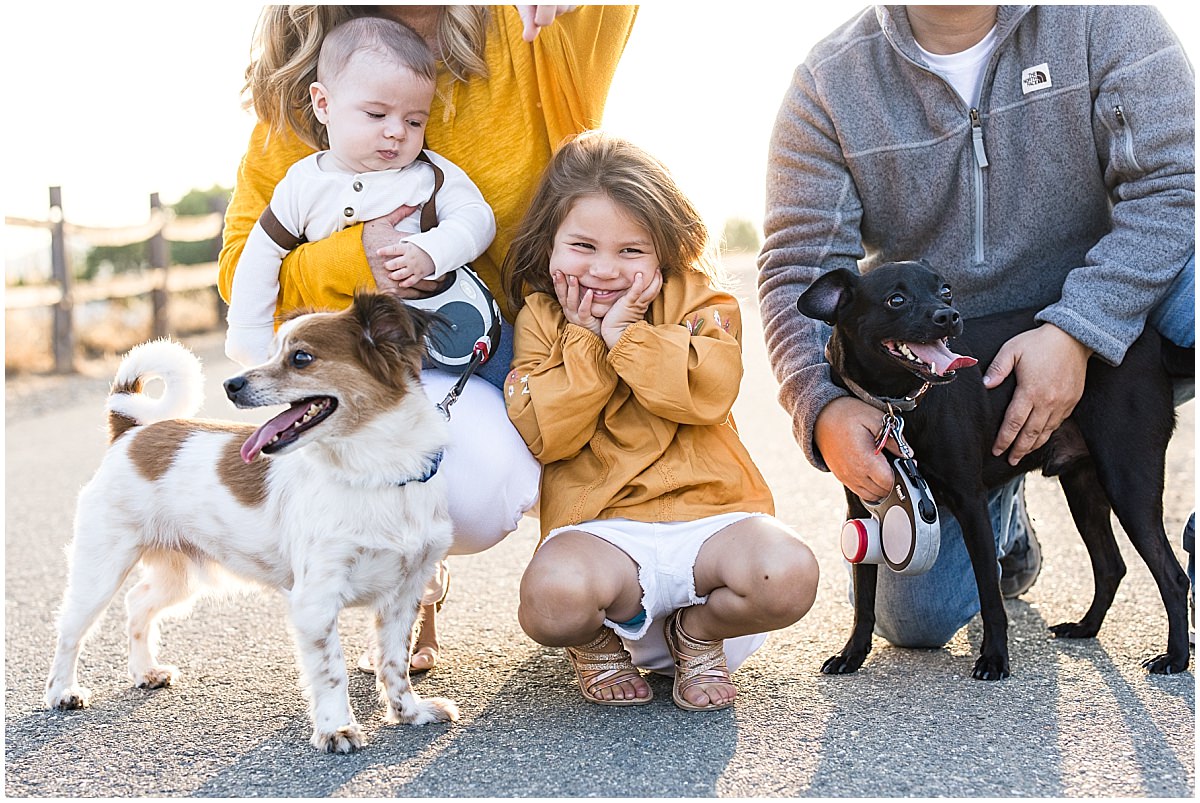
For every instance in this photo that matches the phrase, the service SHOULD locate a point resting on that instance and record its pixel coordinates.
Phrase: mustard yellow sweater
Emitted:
(501, 130)
(643, 431)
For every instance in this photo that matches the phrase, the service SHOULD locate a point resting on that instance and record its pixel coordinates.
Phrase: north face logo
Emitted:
(1035, 78)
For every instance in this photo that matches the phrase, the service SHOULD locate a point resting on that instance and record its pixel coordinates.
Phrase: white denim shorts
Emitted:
(665, 553)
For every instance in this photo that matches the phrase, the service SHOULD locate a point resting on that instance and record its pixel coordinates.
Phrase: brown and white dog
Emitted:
(350, 510)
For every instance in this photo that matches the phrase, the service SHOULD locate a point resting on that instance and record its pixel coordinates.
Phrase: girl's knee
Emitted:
(558, 599)
(782, 575)
(793, 575)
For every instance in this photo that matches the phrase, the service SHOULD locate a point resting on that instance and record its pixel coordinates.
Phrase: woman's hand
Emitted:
(1051, 367)
(538, 17)
(576, 305)
(380, 240)
(631, 307)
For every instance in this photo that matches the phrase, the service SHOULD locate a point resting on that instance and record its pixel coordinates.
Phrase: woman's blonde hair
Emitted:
(287, 43)
(595, 163)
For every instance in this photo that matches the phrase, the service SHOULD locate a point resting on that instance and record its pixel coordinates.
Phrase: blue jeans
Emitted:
(926, 610)
(495, 370)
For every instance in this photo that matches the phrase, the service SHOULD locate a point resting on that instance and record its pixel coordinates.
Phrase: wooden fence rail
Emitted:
(162, 228)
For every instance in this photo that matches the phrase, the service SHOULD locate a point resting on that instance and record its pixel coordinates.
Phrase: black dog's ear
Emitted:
(828, 295)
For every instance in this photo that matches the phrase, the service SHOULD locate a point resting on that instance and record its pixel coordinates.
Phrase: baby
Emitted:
(375, 83)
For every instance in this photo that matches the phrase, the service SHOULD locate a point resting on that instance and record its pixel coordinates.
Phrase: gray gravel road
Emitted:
(1076, 719)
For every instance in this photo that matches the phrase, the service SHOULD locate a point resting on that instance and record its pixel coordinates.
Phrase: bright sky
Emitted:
(115, 101)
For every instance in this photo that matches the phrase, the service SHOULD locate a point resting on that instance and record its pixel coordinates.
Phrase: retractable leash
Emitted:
(903, 531)
(479, 355)
(469, 317)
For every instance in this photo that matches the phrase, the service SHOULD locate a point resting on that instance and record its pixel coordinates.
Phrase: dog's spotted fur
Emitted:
(342, 514)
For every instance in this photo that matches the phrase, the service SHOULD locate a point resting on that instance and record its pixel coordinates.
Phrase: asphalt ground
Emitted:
(1075, 719)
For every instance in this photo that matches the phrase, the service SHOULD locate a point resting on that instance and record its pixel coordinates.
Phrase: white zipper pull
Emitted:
(977, 139)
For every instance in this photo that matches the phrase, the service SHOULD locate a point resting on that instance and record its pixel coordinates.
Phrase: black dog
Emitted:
(890, 336)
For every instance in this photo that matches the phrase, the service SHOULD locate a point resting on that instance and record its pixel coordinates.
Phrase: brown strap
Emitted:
(429, 210)
(278, 232)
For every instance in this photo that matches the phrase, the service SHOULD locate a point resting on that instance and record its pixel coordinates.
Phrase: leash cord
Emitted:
(478, 354)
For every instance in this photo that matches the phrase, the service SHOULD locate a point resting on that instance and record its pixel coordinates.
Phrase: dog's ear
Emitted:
(392, 340)
(828, 296)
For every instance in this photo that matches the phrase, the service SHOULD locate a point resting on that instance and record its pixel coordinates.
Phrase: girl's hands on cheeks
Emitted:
(576, 305)
(631, 307)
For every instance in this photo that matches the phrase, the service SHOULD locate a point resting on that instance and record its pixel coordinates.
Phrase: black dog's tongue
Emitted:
(940, 359)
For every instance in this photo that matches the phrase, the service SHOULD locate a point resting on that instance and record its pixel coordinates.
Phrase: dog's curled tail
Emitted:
(179, 370)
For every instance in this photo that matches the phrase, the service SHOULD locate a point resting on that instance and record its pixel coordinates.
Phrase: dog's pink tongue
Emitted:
(262, 436)
(939, 358)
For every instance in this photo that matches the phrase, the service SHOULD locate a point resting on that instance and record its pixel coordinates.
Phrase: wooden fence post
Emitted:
(63, 334)
(159, 258)
(220, 204)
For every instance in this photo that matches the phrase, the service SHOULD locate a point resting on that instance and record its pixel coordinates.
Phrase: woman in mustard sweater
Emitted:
(512, 84)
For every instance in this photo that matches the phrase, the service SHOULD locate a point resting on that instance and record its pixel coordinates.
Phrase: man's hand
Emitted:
(845, 434)
(631, 307)
(1051, 367)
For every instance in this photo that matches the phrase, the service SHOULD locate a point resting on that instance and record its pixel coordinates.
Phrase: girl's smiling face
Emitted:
(604, 248)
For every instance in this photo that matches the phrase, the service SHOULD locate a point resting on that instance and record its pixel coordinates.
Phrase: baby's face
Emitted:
(375, 112)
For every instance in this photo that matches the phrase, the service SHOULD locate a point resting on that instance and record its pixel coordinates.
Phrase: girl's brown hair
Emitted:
(287, 43)
(595, 163)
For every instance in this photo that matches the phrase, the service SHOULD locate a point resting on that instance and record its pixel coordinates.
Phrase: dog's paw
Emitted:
(345, 739)
(423, 710)
(156, 677)
(991, 667)
(842, 664)
(1166, 665)
(68, 699)
(1074, 630)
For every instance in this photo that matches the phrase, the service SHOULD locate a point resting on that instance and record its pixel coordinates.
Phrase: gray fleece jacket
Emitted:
(1068, 186)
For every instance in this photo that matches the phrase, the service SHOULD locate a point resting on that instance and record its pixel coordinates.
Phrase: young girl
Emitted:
(658, 546)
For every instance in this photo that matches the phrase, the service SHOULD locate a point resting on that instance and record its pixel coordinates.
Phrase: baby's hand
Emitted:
(409, 265)
(576, 306)
(631, 307)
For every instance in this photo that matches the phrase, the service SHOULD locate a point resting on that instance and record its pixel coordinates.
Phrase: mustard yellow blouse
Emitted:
(642, 431)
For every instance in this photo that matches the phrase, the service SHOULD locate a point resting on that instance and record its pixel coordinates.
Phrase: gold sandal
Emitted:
(706, 664)
(598, 667)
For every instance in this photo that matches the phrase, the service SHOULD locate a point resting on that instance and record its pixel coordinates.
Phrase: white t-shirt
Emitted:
(963, 70)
